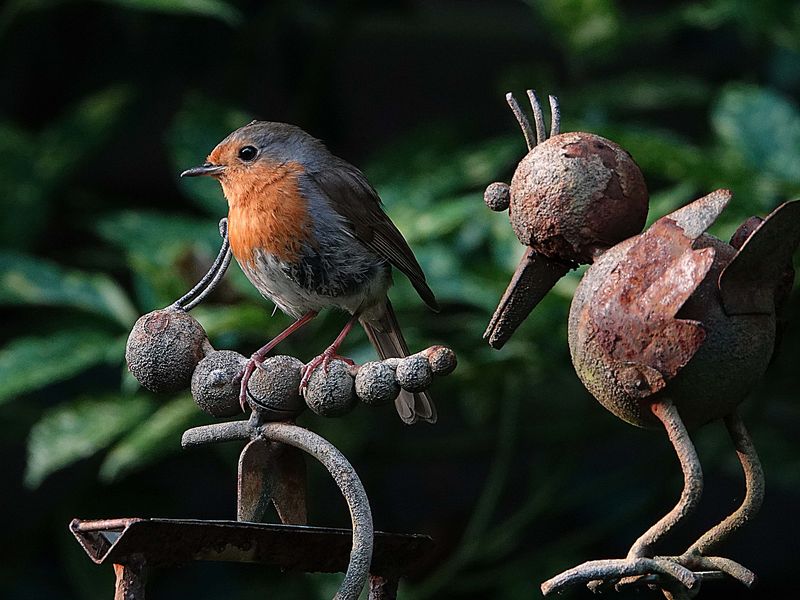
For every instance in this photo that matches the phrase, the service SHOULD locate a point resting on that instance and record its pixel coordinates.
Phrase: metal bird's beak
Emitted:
(205, 169)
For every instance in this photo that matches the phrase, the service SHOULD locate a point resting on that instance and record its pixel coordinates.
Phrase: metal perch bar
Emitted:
(337, 465)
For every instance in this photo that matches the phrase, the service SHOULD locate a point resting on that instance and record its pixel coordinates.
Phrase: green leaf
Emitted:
(215, 9)
(157, 246)
(199, 126)
(78, 430)
(73, 137)
(30, 363)
(33, 281)
(763, 127)
(586, 26)
(153, 439)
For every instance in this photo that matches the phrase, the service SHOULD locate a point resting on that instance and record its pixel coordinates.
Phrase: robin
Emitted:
(308, 230)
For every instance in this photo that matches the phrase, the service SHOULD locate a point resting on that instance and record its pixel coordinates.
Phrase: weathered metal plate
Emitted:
(290, 547)
(764, 262)
(697, 216)
(633, 314)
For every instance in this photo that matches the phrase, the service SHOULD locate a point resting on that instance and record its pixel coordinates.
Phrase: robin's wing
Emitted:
(354, 198)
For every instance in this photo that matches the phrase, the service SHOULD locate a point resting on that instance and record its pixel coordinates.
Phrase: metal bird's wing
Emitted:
(748, 284)
(354, 198)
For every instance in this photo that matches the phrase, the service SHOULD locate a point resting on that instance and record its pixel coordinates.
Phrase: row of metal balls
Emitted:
(168, 351)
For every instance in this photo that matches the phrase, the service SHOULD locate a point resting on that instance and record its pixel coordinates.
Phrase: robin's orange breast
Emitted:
(267, 212)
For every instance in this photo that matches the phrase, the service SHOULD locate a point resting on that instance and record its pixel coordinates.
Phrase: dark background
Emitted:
(103, 103)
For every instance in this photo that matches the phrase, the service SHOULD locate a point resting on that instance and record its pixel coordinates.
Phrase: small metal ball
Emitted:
(215, 383)
(414, 374)
(376, 384)
(331, 391)
(443, 360)
(273, 390)
(163, 349)
(497, 196)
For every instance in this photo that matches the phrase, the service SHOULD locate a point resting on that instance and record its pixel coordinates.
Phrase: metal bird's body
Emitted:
(309, 232)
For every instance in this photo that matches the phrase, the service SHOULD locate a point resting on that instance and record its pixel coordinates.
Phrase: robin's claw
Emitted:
(247, 373)
(324, 360)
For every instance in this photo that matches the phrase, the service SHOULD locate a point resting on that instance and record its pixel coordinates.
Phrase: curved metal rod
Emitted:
(667, 413)
(555, 116)
(353, 491)
(337, 465)
(754, 485)
(616, 569)
(524, 124)
(211, 279)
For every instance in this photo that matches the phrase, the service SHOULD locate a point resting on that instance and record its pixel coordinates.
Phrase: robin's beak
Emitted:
(205, 169)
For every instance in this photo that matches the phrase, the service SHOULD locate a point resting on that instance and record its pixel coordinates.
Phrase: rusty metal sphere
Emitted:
(442, 359)
(215, 383)
(731, 360)
(376, 384)
(414, 373)
(274, 388)
(331, 390)
(497, 196)
(163, 349)
(575, 195)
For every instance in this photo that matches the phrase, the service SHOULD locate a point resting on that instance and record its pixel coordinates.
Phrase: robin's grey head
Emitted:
(258, 147)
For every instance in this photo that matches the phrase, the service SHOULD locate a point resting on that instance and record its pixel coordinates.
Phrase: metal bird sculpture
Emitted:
(670, 328)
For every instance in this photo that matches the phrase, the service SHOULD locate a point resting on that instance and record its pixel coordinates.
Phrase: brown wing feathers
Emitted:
(354, 198)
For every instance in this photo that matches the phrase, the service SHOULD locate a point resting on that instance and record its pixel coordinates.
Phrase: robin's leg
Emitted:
(259, 355)
(330, 353)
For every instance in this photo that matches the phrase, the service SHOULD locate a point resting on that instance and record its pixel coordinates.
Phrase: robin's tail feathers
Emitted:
(388, 340)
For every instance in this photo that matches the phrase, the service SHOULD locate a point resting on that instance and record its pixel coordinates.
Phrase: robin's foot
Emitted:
(323, 359)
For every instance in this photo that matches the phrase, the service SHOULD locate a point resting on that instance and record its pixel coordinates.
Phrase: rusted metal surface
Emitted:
(131, 578)
(382, 588)
(272, 472)
(692, 480)
(169, 542)
(575, 195)
(754, 486)
(337, 465)
(751, 283)
(632, 316)
(534, 277)
(697, 216)
(640, 560)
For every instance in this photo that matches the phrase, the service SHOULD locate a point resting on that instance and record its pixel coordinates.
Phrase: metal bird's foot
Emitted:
(324, 359)
(666, 574)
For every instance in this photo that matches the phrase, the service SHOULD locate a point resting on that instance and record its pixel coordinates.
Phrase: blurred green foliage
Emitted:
(524, 475)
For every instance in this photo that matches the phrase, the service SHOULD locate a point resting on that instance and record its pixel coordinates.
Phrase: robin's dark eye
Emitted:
(248, 153)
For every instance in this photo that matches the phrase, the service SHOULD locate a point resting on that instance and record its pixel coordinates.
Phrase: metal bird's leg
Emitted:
(675, 579)
(259, 355)
(695, 556)
(667, 413)
(330, 353)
